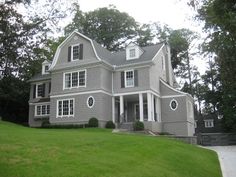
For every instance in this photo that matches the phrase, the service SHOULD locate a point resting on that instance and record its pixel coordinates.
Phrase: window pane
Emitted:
(75, 79)
(43, 109)
(40, 90)
(59, 108)
(81, 78)
(46, 68)
(75, 52)
(129, 78)
(71, 107)
(48, 109)
(38, 110)
(66, 107)
(132, 53)
(68, 80)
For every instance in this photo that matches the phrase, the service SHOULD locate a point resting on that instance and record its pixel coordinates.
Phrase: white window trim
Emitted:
(176, 104)
(78, 86)
(72, 56)
(41, 115)
(206, 123)
(135, 55)
(68, 107)
(36, 90)
(125, 78)
(43, 69)
(93, 101)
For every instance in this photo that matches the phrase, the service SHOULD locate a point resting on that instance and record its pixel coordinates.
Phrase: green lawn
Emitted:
(29, 152)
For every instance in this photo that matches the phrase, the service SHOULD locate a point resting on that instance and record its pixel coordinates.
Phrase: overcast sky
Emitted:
(175, 13)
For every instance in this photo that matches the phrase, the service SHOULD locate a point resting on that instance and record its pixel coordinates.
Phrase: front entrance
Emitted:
(136, 112)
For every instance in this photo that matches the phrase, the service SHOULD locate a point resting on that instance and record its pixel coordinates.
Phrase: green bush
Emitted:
(93, 122)
(138, 126)
(110, 124)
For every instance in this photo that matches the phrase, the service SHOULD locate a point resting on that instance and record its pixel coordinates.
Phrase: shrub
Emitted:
(110, 124)
(138, 126)
(93, 122)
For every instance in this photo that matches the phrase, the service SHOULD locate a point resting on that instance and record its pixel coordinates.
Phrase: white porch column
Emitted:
(158, 108)
(141, 107)
(113, 109)
(153, 112)
(121, 108)
(149, 105)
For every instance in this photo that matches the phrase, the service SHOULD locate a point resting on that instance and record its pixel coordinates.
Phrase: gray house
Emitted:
(86, 80)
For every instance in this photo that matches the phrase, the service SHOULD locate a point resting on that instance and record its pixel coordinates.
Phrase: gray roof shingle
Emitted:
(119, 58)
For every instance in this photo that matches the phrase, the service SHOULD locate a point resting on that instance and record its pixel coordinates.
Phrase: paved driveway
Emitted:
(227, 157)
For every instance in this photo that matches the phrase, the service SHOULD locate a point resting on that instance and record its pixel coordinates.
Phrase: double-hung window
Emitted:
(132, 53)
(129, 78)
(75, 52)
(39, 90)
(75, 79)
(65, 107)
(42, 110)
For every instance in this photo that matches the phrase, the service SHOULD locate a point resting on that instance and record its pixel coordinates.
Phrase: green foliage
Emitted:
(14, 95)
(110, 124)
(219, 18)
(138, 126)
(107, 26)
(92, 152)
(93, 122)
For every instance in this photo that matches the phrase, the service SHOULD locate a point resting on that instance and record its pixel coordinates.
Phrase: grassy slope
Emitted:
(27, 152)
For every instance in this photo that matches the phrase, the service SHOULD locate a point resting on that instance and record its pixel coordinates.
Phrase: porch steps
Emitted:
(126, 126)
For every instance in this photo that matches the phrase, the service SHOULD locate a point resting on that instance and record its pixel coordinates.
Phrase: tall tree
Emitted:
(219, 18)
(108, 26)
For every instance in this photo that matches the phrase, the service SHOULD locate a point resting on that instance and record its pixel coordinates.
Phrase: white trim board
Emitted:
(81, 93)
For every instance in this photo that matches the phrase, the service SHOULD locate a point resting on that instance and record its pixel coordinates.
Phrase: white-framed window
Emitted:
(75, 50)
(163, 63)
(209, 123)
(90, 101)
(75, 79)
(173, 104)
(132, 53)
(39, 90)
(65, 108)
(42, 110)
(129, 78)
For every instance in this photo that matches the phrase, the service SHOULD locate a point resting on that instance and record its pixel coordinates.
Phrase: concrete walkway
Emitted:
(227, 158)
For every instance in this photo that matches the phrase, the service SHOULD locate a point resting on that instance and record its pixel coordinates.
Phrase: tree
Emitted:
(22, 38)
(108, 26)
(219, 18)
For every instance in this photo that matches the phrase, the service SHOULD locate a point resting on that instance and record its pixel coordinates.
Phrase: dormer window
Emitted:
(45, 67)
(132, 53)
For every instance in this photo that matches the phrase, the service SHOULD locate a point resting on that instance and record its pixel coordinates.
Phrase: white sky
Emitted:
(175, 13)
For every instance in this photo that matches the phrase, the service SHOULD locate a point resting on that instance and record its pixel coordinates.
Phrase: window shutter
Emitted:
(81, 51)
(49, 89)
(69, 53)
(135, 77)
(34, 91)
(43, 92)
(122, 79)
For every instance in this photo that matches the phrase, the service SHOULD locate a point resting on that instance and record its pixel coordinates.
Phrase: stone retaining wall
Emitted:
(216, 139)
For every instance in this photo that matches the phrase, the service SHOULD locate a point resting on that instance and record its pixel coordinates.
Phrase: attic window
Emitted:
(46, 68)
(75, 52)
(132, 53)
